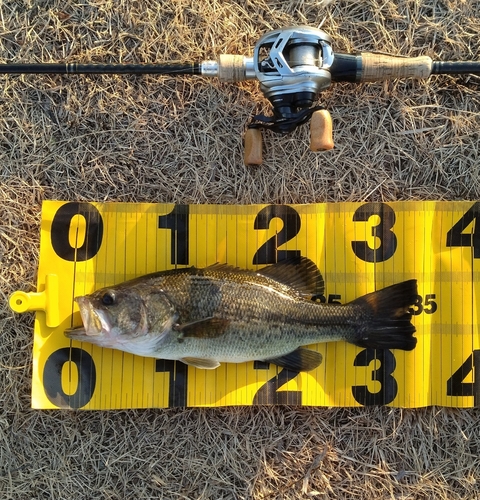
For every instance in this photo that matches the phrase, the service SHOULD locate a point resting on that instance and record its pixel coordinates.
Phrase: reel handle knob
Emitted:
(253, 147)
(321, 131)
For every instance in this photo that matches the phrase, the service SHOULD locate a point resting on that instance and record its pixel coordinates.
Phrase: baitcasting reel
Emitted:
(293, 65)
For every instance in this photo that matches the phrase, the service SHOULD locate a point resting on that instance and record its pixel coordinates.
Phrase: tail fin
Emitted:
(390, 326)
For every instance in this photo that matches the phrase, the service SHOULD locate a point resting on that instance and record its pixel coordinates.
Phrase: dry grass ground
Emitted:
(179, 140)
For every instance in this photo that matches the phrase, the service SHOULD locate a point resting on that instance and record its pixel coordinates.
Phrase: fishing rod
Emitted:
(293, 65)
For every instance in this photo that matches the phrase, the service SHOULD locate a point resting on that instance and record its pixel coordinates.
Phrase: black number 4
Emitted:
(456, 237)
(456, 385)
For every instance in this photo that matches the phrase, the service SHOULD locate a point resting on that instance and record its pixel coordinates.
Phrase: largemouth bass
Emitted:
(204, 317)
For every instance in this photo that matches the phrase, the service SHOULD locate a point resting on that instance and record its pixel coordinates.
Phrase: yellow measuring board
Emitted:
(358, 248)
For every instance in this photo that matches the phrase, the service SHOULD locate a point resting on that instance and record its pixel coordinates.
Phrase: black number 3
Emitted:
(383, 374)
(383, 231)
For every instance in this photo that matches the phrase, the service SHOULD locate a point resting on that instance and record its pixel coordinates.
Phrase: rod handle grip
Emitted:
(380, 67)
(232, 68)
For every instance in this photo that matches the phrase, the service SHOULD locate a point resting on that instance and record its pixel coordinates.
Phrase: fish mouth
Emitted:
(95, 322)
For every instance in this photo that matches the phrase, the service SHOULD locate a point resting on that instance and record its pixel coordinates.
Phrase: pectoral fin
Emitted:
(208, 328)
(206, 364)
(300, 360)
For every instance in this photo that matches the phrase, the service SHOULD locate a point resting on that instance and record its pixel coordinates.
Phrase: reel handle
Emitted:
(321, 131)
(252, 147)
(321, 138)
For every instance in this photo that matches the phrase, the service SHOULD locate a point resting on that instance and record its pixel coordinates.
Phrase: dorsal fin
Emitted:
(226, 268)
(300, 273)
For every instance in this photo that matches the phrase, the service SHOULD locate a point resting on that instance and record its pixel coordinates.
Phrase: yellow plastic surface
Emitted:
(21, 302)
(358, 247)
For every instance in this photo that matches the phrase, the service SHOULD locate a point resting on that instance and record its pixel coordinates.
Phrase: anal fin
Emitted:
(299, 360)
(205, 364)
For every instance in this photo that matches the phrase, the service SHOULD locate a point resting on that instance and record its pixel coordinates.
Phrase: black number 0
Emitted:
(61, 226)
(52, 377)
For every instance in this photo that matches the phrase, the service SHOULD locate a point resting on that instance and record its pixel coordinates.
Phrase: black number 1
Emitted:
(177, 222)
(177, 382)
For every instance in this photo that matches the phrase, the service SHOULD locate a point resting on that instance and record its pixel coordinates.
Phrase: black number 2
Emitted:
(269, 393)
(268, 253)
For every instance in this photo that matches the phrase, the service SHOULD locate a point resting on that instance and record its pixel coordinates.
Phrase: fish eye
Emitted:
(108, 299)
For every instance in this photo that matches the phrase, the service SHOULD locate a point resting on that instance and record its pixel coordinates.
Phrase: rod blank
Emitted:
(456, 68)
(120, 69)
